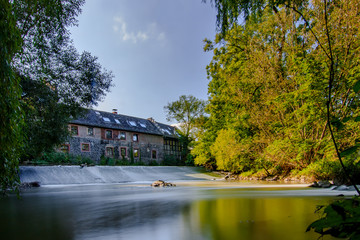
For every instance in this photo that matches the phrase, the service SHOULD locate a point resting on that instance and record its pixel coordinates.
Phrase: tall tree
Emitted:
(44, 80)
(10, 112)
(187, 111)
(56, 79)
(272, 70)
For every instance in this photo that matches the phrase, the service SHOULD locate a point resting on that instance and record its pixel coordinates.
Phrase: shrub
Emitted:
(153, 163)
(56, 158)
(170, 160)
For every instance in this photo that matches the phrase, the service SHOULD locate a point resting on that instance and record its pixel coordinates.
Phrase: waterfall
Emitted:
(53, 175)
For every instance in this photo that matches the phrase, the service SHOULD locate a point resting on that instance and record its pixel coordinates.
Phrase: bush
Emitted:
(189, 160)
(153, 163)
(321, 170)
(325, 169)
(59, 158)
(170, 160)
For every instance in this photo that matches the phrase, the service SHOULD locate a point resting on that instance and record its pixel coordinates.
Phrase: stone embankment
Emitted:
(237, 177)
(315, 184)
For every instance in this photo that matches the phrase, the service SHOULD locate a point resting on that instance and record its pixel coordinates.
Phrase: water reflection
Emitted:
(139, 212)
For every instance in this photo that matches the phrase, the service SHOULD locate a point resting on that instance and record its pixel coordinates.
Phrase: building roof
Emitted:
(94, 118)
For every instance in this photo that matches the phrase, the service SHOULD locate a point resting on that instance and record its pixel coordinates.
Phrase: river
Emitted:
(198, 209)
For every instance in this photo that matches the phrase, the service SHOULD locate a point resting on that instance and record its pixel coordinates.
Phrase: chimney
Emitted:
(114, 111)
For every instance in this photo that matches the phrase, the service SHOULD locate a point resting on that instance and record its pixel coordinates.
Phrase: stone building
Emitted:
(102, 134)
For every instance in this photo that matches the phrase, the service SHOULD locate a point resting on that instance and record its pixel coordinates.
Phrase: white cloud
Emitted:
(151, 32)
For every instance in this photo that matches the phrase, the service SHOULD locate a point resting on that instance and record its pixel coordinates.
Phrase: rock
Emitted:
(324, 184)
(161, 183)
(321, 184)
(273, 179)
(341, 188)
(314, 184)
(337, 182)
(26, 185)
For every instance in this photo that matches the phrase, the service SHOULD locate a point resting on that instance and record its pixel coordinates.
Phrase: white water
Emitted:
(58, 175)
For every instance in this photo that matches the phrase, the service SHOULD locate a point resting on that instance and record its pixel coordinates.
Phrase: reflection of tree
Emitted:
(253, 218)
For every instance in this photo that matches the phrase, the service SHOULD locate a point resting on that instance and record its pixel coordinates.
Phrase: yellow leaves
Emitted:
(226, 149)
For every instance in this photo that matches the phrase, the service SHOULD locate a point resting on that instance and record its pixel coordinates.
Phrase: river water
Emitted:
(198, 210)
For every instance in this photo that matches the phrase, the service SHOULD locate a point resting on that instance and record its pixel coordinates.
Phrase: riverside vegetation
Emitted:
(59, 158)
(284, 96)
(283, 73)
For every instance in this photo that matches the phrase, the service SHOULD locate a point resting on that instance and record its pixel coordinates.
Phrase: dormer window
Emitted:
(132, 123)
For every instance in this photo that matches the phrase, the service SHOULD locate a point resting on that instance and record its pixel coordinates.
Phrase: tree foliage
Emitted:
(56, 80)
(188, 111)
(44, 80)
(269, 81)
(340, 219)
(11, 121)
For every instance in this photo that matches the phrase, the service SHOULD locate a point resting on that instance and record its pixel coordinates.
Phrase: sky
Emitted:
(153, 47)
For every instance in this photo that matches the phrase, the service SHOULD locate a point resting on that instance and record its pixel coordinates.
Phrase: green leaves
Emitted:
(350, 150)
(340, 219)
(11, 121)
(185, 111)
(356, 87)
(272, 70)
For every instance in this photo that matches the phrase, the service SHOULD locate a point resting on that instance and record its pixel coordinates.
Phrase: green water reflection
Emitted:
(254, 218)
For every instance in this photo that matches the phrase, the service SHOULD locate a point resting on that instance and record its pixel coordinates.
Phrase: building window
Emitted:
(123, 152)
(135, 138)
(109, 151)
(108, 134)
(85, 147)
(153, 154)
(65, 148)
(90, 131)
(136, 153)
(122, 136)
(74, 130)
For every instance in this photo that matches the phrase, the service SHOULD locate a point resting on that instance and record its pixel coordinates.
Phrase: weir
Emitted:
(56, 175)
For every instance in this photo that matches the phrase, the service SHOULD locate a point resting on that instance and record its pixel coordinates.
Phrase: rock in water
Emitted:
(161, 183)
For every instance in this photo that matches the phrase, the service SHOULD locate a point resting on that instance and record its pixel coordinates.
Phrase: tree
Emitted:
(329, 55)
(325, 93)
(57, 81)
(44, 80)
(11, 120)
(187, 111)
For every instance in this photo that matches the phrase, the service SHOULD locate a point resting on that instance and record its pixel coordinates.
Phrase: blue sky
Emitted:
(153, 47)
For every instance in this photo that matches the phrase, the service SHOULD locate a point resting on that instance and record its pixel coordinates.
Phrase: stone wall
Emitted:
(148, 147)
